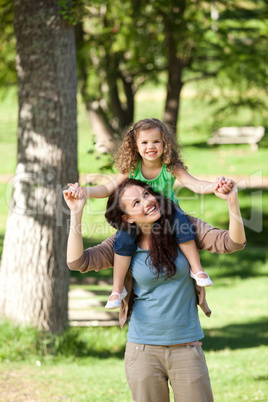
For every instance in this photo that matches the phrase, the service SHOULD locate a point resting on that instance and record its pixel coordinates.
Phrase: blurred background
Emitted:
(196, 65)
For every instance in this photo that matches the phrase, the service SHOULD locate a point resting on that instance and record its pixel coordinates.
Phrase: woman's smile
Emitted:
(151, 210)
(140, 206)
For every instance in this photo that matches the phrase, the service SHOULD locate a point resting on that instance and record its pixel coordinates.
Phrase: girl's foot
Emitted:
(111, 304)
(203, 282)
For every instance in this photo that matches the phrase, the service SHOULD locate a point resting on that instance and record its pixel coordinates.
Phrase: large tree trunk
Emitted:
(34, 277)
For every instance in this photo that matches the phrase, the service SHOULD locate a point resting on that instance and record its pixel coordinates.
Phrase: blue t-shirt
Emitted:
(164, 311)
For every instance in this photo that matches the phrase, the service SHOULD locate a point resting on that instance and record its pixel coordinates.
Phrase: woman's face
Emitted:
(140, 206)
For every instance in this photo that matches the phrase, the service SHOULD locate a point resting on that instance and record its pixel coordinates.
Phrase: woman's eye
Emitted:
(136, 203)
(146, 193)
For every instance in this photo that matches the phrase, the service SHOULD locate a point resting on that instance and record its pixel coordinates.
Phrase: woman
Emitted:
(164, 329)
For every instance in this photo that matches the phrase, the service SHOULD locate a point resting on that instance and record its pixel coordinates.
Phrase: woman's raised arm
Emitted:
(75, 246)
(236, 226)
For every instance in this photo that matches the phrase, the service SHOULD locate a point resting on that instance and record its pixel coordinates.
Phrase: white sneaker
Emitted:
(111, 304)
(203, 282)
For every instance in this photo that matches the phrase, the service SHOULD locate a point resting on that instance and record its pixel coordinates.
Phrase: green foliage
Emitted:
(7, 45)
(72, 11)
(240, 48)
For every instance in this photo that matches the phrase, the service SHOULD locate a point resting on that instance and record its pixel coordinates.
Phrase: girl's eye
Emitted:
(146, 193)
(136, 203)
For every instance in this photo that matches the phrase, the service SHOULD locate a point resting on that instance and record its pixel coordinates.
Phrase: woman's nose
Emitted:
(146, 203)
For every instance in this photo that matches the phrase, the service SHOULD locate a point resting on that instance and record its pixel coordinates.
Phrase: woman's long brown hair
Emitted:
(163, 246)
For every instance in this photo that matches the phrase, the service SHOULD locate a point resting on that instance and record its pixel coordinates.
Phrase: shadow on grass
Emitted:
(197, 144)
(94, 345)
(1, 244)
(237, 336)
(264, 142)
(248, 263)
(234, 336)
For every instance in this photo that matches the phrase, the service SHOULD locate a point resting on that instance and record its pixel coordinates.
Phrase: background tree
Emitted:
(34, 278)
(125, 45)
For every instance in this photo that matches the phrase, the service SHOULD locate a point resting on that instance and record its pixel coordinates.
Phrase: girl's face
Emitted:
(150, 144)
(140, 206)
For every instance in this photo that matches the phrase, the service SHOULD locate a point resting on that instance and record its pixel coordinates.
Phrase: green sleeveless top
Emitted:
(162, 184)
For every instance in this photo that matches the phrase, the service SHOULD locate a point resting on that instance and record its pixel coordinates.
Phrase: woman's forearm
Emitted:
(75, 246)
(236, 226)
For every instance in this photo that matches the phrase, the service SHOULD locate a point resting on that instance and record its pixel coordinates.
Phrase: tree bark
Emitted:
(174, 83)
(174, 87)
(34, 278)
(175, 42)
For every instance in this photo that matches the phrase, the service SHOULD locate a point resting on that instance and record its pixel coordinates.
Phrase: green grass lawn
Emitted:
(87, 363)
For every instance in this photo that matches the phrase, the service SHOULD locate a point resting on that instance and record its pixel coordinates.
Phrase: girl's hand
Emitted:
(75, 204)
(228, 191)
(223, 185)
(76, 191)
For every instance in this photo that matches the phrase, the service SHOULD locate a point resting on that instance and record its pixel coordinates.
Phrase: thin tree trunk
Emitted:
(34, 277)
(174, 87)
(104, 137)
(103, 133)
(175, 66)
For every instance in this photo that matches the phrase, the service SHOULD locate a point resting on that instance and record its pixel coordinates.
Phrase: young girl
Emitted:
(150, 154)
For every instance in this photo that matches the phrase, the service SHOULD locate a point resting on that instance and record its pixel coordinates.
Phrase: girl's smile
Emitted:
(150, 144)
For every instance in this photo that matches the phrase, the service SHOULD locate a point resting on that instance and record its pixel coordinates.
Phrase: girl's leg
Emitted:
(191, 253)
(121, 265)
(124, 247)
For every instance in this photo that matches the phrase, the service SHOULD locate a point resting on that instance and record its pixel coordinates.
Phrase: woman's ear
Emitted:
(127, 219)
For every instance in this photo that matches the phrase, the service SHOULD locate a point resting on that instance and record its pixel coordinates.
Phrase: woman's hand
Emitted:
(223, 185)
(229, 193)
(75, 204)
(75, 190)
(236, 225)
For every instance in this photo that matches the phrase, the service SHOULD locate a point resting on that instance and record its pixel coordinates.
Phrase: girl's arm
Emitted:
(195, 185)
(100, 191)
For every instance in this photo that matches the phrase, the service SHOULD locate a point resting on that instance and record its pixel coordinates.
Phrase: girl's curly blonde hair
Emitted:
(127, 156)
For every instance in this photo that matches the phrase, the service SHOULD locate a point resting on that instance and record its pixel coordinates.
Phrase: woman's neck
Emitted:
(143, 241)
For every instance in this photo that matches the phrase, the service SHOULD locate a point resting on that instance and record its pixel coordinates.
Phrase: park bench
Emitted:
(237, 135)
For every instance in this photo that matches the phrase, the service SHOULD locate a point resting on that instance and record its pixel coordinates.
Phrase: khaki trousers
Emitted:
(149, 368)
